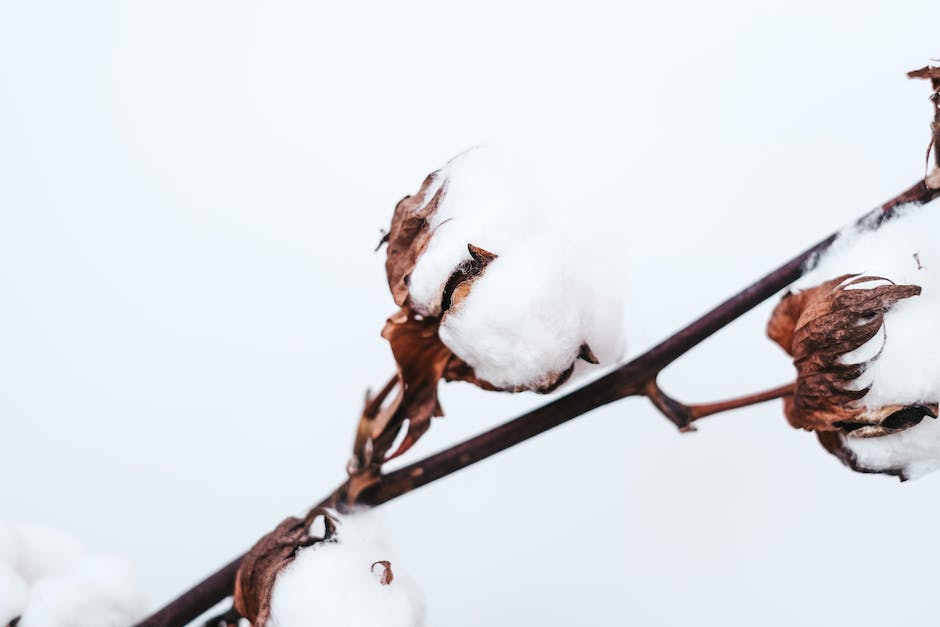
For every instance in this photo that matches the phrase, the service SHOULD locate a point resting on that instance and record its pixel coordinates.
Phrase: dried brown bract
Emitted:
(409, 235)
(254, 582)
(818, 327)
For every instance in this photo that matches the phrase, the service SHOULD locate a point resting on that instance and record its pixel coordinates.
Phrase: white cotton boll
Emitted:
(482, 205)
(905, 354)
(525, 319)
(14, 594)
(44, 551)
(331, 584)
(95, 591)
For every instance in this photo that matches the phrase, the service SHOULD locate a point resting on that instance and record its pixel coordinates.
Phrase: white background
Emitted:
(189, 303)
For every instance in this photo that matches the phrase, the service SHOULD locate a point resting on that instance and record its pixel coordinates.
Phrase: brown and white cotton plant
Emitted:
(866, 346)
(863, 328)
(487, 294)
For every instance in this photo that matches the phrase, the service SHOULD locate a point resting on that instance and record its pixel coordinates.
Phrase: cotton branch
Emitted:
(635, 378)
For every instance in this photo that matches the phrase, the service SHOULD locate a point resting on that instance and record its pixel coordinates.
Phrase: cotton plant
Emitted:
(48, 579)
(489, 291)
(863, 328)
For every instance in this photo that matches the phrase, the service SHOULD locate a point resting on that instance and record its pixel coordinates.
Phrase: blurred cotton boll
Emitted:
(339, 583)
(48, 579)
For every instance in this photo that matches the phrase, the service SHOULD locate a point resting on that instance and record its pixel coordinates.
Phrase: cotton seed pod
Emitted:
(487, 295)
(347, 581)
(821, 327)
(516, 304)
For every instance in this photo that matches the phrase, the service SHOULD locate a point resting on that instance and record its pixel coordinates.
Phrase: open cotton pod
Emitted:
(490, 292)
(866, 347)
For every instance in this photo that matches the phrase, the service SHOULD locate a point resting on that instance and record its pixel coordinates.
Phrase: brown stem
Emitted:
(707, 409)
(683, 415)
(629, 379)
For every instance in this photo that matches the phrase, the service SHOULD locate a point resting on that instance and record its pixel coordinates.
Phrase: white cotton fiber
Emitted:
(527, 317)
(545, 294)
(44, 551)
(49, 580)
(905, 250)
(481, 205)
(331, 584)
(916, 451)
(95, 591)
(14, 594)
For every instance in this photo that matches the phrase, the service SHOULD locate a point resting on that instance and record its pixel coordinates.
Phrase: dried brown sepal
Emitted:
(255, 579)
(929, 72)
(817, 327)
(408, 237)
(386, 576)
(461, 279)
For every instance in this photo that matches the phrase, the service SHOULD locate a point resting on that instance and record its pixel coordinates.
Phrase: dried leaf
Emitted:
(817, 327)
(386, 576)
(408, 237)
(255, 579)
(928, 72)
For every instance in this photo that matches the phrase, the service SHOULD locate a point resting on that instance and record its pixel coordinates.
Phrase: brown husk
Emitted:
(408, 237)
(817, 327)
(255, 579)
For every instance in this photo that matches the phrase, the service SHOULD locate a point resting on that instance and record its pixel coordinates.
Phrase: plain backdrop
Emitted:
(190, 194)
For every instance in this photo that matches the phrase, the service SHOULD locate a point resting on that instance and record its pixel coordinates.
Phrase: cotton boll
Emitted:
(94, 591)
(904, 357)
(526, 318)
(481, 204)
(331, 584)
(44, 551)
(14, 594)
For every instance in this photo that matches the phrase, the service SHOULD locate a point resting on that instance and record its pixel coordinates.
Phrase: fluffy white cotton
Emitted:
(526, 318)
(49, 580)
(544, 295)
(331, 584)
(916, 450)
(14, 594)
(37, 551)
(905, 250)
(482, 205)
(95, 591)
